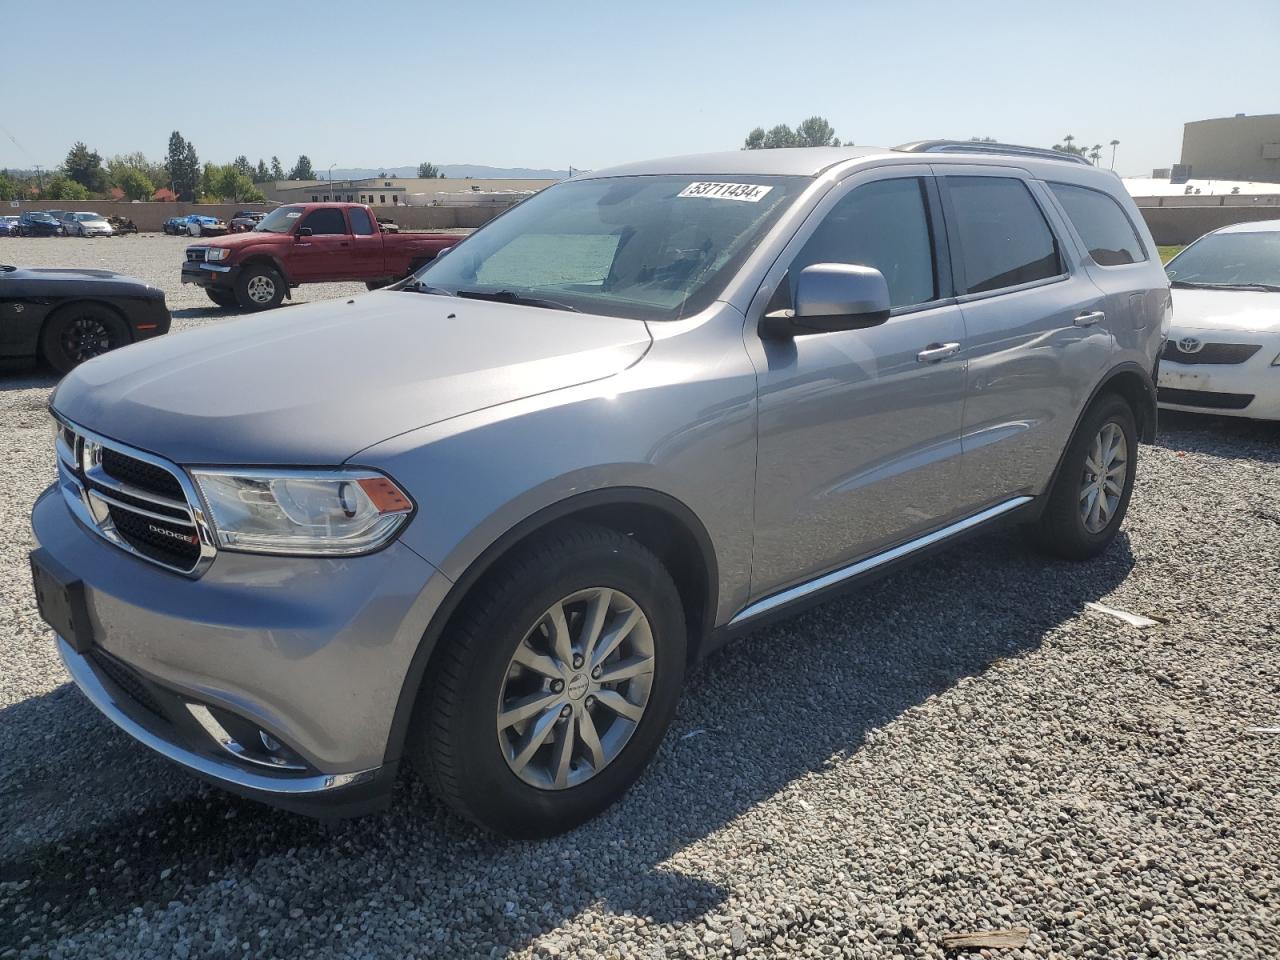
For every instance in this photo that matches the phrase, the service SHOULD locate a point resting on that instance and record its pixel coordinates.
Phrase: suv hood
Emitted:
(1246, 311)
(317, 384)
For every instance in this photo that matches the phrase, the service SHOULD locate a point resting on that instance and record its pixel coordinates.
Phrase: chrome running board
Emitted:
(862, 566)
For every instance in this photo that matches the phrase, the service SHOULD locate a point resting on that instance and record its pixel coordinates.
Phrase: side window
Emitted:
(1102, 225)
(1004, 237)
(885, 225)
(325, 220)
(360, 224)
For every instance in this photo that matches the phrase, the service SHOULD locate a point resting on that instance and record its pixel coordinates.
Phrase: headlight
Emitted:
(217, 253)
(316, 512)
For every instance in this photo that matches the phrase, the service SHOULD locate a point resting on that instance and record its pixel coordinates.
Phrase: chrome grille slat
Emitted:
(120, 512)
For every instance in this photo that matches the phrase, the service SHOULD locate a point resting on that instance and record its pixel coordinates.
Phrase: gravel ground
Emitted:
(963, 746)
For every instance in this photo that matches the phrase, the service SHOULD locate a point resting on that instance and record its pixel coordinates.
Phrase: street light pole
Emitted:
(331, 166)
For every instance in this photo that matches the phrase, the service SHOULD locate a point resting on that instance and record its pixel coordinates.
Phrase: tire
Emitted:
(459, 741)
(223, 298)
(1078, 522)
(259, 288)
(80, 332)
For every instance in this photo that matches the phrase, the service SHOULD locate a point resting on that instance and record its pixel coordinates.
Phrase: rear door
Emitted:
(859, 430)
(368, 254)
(1036, 340)
(326, 254)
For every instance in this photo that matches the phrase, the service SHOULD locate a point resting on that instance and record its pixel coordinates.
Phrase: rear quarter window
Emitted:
(1104, 227)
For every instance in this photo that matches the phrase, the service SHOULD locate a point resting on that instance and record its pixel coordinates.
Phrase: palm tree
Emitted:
(1095, 154)
(1114, 144)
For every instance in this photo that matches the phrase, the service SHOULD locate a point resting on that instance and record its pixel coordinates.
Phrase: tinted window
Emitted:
(1102, 225)
(327, 220)
(360, 221)
(1227, 259)
(883, 225)
(1004, 239)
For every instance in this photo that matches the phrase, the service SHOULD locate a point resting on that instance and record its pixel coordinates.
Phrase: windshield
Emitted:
(88, 216)
(1229, 259)
(647, 247)
(279, 220)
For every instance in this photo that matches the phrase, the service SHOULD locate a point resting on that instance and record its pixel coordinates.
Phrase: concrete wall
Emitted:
(1170, 225)
(150, 216)
(1234, 148)
(402, 188)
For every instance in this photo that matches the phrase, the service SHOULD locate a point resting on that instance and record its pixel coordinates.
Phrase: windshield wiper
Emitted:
(510, 296)
(417, 286)
(1197, 285)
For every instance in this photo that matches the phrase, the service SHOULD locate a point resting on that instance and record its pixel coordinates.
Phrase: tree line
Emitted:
(85, 175)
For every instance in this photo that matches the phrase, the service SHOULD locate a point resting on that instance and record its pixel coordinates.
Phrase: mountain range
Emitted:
(458, 170)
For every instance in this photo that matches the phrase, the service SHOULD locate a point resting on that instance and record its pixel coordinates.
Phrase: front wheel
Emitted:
(80, 332)
(554, 685)
(1090, 496)
(223, 298)
(259, 288)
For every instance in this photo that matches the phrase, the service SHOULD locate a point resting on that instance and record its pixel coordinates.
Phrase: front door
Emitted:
(326, 253)
(859, 430)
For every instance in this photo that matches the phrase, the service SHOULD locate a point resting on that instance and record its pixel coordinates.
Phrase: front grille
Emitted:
(127, 681)
(195, 254)
(135, 500)
(1205, 398)
(1211, 353)
(138, 473)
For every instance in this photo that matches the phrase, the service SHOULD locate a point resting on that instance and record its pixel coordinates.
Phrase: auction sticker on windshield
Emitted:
(746, 192)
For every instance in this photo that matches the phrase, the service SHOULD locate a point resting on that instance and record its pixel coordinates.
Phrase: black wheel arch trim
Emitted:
(492, 554)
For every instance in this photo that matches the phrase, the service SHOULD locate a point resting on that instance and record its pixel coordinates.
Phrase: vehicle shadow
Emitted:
(26, 375)
(850, 666)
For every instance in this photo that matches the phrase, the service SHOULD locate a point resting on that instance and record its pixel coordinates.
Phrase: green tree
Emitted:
(135, 184)
(227, 183)
(62, 187)
(183, 166)
(1095, 153)
(755, 140)
(261, 174)
(10, 189)
(277, 171)
(815, 132)
(120, 164)
(302, 169)
(84, 166)
(1068, 145)
(429, 171)
(779, 136)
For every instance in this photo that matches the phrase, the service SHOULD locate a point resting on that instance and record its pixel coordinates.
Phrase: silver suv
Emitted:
(486, 519)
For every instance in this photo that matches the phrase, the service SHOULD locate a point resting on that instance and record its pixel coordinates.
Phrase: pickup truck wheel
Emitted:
(1091, 494)
(223, 298)
(80, 332)
(554, 684)
(259, 288)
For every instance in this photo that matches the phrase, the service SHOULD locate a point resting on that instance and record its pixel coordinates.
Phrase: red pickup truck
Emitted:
(306, 243)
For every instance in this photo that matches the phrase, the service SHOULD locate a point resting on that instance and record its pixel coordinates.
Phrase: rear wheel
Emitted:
(554, 685)
(259, 288)
(1091, 494)
(80, 332)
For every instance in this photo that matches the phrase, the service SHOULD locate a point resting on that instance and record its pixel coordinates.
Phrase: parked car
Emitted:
(306, 243)
(9, 226)
(88, 225)
(246, 220)
(1223, 354)
(66, 317)
(122, 225)
(387, 225)
(485, 519)
(175, 225)
(66, 218)
(199, 225)
(37, 223)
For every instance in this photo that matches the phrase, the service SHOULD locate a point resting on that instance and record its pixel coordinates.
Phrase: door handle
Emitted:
(937, 351)
(1089, 319)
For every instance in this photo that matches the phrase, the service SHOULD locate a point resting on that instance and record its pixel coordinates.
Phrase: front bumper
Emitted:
(216, 275)
(1249, 389)
(311, 652)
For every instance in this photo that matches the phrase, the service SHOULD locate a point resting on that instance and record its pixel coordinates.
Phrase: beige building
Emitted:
(392, 191)
(1234, 148)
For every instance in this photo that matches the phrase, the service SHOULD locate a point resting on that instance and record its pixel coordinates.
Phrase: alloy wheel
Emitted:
(86, 338)
(1102, 485)
(576, 688)
(260, 289)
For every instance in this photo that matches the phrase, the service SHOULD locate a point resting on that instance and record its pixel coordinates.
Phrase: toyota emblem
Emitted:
(1190, 345)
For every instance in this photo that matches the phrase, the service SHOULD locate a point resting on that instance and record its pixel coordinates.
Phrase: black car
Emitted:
(66, 317)
(36, 223)
(175, 226)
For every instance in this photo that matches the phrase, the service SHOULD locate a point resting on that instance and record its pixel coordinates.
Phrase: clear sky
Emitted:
(554, 83)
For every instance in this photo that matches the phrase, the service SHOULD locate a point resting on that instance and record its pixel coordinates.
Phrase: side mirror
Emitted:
(831, 297)
(302, 232)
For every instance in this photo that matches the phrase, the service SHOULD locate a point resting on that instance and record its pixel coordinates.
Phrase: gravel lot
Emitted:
(963, 746)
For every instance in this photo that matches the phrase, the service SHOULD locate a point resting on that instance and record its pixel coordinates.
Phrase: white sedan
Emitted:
(88, 225)
(1223, 354)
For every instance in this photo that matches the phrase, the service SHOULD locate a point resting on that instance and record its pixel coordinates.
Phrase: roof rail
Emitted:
(981, 146)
